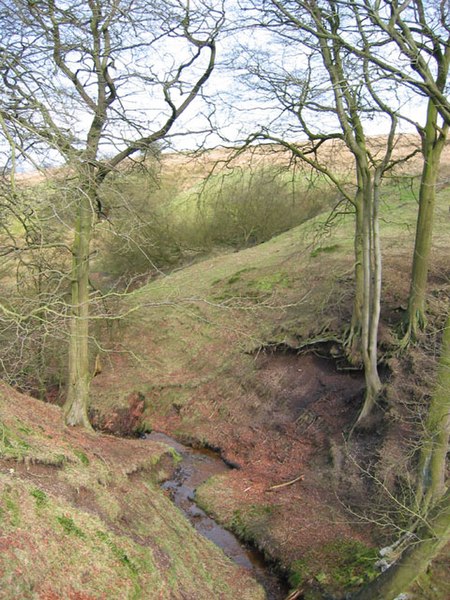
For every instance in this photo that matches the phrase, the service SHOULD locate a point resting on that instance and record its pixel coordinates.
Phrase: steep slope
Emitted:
(204, 325)
(82, 517)
(243, 353)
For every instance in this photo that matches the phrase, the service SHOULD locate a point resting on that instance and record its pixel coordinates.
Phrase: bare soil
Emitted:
(288, 428)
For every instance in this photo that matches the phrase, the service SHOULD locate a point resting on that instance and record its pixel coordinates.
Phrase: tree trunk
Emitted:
(432, 144)
(372, 293)
(353, 342)
(435, 533)
(432, 537)
(76, 406)
(432, 462)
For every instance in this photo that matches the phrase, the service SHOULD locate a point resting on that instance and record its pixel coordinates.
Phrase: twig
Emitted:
(295, 594)
(283, 485)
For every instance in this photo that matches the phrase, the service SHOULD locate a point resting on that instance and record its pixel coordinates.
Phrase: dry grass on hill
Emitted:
(82, 517)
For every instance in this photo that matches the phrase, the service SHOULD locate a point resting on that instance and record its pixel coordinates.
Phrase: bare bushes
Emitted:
(33, 333)
(141, 233)
(247, 208)
(35, 232)
(144, 225)
(34, 282)
(159, 228)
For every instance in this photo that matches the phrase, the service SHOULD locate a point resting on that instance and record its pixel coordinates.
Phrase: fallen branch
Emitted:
(295, 594)
(283, 485)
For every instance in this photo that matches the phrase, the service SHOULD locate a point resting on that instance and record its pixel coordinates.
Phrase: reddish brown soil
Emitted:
(127, 456)
(289, 420)
(285, 429)
(121, 421)
(98, 471)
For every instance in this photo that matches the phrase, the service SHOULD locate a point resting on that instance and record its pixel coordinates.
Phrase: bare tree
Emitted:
(332, 97)
(433, 496)
(95, 83)
(419, 33)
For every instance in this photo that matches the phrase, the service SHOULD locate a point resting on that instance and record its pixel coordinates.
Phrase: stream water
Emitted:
(197, 466)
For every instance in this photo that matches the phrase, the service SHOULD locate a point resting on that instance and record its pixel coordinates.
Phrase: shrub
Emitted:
(140, 235)
(35, 288)
(250, 208)
(158, 227)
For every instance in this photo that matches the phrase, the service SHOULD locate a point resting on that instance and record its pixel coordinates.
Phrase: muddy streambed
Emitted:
(197, 466)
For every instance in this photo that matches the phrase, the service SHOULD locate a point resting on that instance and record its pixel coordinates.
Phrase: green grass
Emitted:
(12, 445)
(343, 564)
(69, 526)
(324, 249)
(57, 543)
(82, 456)
(40, 496)
(23, 443)
(118, 552)
(250, 521)
(295, 285)
(11, 509)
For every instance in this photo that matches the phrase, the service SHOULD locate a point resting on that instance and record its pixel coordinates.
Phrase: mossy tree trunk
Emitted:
(372, 264)
(76, 406)
(371, 290)
(353, 340)
(433, 141)
(433, 498)
(431, 538)
(435, 444)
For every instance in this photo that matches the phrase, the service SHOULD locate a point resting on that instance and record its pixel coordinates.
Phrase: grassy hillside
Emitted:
(82, 517)
(242, 352)
(212, 351)
(184, 329)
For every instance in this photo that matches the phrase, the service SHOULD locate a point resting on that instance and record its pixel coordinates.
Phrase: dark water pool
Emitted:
(197, 466)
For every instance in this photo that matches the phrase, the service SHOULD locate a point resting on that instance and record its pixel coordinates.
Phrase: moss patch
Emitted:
(250, 521)
(40, 496)
(324, 250)
(12, 443)
(82, 457)
(341, 565)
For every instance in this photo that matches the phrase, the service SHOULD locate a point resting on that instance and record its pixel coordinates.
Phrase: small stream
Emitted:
(197, 466)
